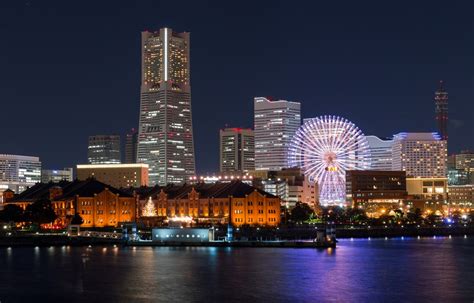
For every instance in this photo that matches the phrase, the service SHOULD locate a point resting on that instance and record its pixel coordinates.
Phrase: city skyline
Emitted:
(414, 111)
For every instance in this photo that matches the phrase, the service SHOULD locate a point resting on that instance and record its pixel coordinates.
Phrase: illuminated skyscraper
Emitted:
(275, 124)
(131, 141)
(237, 150)
(441, 109)
(165, 139)
(104, 149)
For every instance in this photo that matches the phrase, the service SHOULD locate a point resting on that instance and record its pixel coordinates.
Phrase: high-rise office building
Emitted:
(380, 153)
(104, 149)
(165, 139)
(237, 150)
(463, 166)
(441, 110)
(421, 155)
(57, 175)
(19, 172)
(131, 141)
(275, 124)
(465, 161)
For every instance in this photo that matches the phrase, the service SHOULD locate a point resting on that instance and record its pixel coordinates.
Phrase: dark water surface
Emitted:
(394, 270)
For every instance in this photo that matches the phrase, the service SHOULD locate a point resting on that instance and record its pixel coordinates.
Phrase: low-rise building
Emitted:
(289, 184)
(461, 198)
(210, 203)
(430, 195)
(116, 175)
(99, 204)
(57, 175)
(376, 192)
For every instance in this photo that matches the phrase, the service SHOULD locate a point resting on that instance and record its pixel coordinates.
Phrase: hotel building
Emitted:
(165, 134)
(104, 149)
(421, 155)
(116, 175)
(275, 124)
(237, 150)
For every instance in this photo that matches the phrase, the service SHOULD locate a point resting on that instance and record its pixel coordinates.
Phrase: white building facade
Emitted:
(380, 153)
(275, 124)
(19, 172)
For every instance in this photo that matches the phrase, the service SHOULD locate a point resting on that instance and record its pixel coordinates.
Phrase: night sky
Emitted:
(70, 69)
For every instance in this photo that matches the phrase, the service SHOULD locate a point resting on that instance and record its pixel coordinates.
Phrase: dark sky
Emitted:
(70, 69)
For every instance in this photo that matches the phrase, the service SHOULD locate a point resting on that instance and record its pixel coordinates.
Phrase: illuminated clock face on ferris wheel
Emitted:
(325, 148)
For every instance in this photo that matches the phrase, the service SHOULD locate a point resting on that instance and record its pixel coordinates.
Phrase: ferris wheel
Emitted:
(325, 148)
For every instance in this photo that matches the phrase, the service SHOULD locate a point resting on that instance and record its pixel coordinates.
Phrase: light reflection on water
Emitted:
(359, 270)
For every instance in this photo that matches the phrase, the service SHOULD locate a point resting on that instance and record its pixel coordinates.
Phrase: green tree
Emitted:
(40, 212)
(11, 213)
(301, 212)
(415, 216)
(334, 214)
(356, 215)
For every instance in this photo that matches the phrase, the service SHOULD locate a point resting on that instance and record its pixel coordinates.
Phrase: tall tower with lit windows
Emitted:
(275, 124)
(441, 109)
(165, 139)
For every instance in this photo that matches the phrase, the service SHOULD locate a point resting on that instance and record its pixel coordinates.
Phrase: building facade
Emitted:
(421, 155)
(98, 204)
(131, 142)
(380, 153)
(165, 139)
(19, 172)
(459, 177)
(237, 150)
(289, 184)
(116, 175)
(465, 161)
(275, 123)
(56, 175)
(211, 203)
(376, 192)
(461, 198)
(430, 195)
(104, 149)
